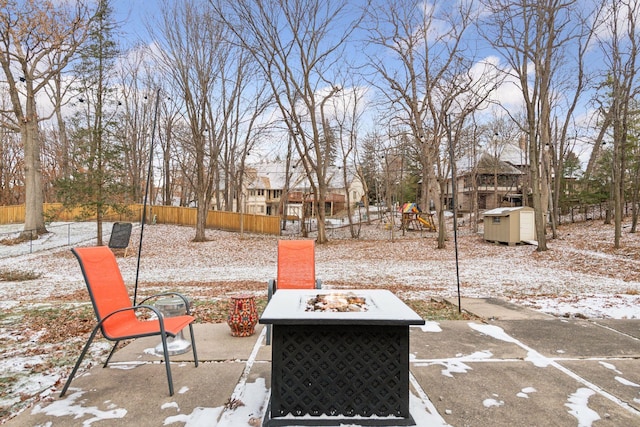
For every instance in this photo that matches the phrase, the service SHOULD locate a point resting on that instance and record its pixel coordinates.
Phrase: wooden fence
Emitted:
(229, 221)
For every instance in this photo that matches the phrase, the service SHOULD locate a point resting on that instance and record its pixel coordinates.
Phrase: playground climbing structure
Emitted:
(414, 219)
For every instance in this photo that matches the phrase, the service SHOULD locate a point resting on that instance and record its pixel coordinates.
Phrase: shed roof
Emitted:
(505, 211)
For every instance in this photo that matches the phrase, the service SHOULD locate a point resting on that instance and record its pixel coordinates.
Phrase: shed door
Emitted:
(527, 226)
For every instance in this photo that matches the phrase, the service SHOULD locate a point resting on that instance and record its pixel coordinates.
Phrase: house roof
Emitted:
(510, 154)
(513, 154)
(272, 176)
(269, 175)
(488, 165)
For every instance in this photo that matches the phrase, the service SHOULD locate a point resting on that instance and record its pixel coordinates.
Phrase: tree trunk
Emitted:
(34, 211)
(618, 186)
(634, 199)
(201, 220)
(166, 161)
(321, 214)
(303, 217)
(536, 185)
(442, 224)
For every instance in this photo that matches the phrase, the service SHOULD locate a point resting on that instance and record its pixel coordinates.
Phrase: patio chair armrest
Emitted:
(164, 294)
(134, 308)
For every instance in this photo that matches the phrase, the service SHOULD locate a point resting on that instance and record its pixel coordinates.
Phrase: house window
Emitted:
(496, 220)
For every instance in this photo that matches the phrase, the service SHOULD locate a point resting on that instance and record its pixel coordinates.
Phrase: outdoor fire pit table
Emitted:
(339, 367)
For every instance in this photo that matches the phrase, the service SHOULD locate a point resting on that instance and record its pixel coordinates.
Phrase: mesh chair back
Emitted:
(106, 287)
(296, 264)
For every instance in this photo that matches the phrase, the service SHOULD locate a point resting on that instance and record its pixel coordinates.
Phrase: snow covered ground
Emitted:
(581, 273)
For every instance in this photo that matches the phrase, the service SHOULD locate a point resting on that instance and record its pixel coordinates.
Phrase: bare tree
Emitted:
(249, 93)
(533, 38)
(137, 108)
(193, 52)
(348, 111)
(58, 91)
(428, 78)
(11, 170)
(569, 85)
(169, 123)
(299, 46)
(619, 41)
(32, 35)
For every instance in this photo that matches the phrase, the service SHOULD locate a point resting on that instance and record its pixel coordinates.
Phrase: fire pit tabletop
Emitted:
(289, 306)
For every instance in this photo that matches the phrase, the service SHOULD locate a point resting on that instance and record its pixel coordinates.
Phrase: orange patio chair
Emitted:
(296, 269)
(117, 316)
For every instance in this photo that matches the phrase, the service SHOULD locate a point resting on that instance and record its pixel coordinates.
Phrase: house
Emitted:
(268, 191)
(490, 181)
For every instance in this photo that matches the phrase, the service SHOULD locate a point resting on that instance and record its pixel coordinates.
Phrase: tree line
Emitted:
(90, 118)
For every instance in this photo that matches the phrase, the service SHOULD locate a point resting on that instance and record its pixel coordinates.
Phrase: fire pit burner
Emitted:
(337, 302)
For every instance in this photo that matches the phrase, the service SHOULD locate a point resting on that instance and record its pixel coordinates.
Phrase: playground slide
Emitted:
(424, 222)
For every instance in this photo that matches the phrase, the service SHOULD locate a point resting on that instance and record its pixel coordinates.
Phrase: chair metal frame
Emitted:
(100, 270)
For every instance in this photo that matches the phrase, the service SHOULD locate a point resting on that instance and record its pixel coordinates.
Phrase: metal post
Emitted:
(455, 208)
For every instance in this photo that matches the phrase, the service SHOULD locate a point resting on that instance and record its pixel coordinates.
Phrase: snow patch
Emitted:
(70, 407)
(493, 331)
(578, 402)
(457, 365)
(611, 367)
(429, 326)
(626, 382)
(488, 403)
(525, 392)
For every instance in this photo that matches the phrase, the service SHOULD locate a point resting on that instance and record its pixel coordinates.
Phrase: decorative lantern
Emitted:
(170, 307)
(243, 316)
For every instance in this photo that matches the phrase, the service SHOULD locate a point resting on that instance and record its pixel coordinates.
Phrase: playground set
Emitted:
(414, 219)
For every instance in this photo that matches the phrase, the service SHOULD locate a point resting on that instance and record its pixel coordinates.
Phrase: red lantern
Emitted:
(243, 316)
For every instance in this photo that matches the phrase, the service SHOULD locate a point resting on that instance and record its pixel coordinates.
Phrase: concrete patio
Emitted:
(517, 368)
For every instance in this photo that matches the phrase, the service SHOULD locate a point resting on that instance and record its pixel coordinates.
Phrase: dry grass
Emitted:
(18, 275)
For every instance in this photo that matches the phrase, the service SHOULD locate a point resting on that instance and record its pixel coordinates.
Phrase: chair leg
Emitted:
(193, 344)
(113, 350)
(167, 362)
(77, 365)
(271, 289)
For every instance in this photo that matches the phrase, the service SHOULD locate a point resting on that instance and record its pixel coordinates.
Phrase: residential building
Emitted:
(267, 190)
(491, 181)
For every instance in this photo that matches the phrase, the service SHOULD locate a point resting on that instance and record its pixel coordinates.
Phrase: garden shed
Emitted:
(510, 225)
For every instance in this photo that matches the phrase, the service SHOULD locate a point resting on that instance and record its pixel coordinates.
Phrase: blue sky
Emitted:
(134, 14)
